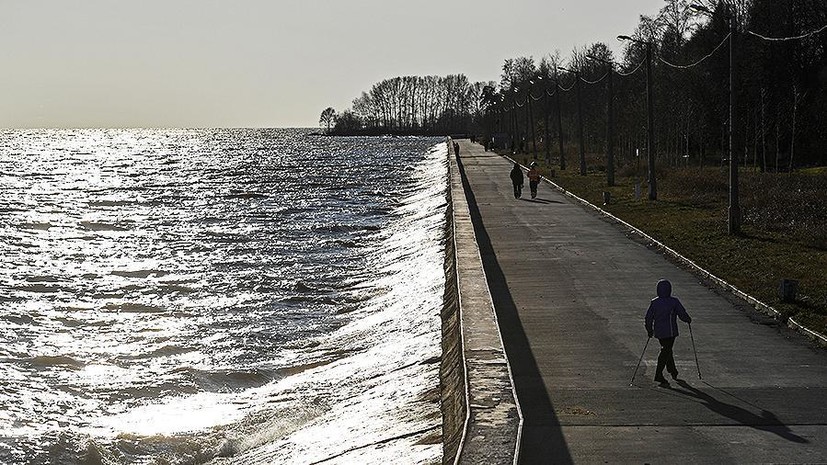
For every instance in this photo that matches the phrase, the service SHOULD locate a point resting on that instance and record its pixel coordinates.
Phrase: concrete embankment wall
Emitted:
(481, 417)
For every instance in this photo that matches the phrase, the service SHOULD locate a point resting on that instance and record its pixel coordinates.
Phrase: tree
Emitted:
(328, 118)
(348, 122)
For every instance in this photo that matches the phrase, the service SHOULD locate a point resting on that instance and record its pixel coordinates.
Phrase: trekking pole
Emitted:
(640, 360)
(694, 351)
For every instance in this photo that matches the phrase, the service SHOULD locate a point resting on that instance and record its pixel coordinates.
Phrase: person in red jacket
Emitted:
(533, 178)
(662, 322)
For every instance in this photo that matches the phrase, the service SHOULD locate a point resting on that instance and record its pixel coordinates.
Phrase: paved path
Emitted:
(571, 290)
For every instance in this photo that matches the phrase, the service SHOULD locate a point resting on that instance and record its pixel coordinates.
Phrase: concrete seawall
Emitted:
(481, 416)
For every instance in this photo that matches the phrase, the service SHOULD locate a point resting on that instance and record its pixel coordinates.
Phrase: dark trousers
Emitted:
(533, 186)
(665, 358)
(518, 190)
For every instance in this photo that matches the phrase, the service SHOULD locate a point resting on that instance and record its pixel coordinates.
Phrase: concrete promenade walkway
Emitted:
(570, 290)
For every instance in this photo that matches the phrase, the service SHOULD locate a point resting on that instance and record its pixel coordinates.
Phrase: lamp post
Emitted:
(559, 122)
(579, 120)
(514, 120)
(734, 211)
(610, 159)
(531, 117)
(545, 81)
(508, 123)
(650, 129)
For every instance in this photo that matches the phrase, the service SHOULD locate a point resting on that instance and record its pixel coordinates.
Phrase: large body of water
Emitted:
(219, 296)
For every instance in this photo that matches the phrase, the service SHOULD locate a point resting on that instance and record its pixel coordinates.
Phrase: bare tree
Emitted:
(327, 118)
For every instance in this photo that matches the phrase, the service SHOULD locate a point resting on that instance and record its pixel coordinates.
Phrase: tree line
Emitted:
(411, 105)
(780, 80)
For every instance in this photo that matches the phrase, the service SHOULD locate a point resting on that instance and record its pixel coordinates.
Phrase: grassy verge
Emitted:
(784, 225)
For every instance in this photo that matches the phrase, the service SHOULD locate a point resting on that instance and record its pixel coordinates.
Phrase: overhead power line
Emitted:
(699, 61)
(633, 71)
(782, 39)
(597, 81)
(570, 87)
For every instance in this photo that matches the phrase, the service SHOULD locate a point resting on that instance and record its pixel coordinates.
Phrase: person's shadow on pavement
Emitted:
(539, 200)
(767, 421)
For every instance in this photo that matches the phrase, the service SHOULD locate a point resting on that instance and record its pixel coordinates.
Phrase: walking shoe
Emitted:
(675, 376)
(661, 380)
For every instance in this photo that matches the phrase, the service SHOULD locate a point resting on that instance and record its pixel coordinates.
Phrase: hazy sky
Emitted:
(251, 63)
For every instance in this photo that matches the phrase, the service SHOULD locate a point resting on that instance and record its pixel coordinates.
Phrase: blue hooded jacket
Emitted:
(664, 311)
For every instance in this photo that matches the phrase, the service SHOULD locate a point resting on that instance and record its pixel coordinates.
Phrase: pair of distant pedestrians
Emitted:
(517, 179)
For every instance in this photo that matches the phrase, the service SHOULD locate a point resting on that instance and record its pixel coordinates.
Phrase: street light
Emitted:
(558, 91)
(515, 92)
(531, 118)
(734, 212)
(650, 128)
(545, 80)
(610, 159)
(579, 120)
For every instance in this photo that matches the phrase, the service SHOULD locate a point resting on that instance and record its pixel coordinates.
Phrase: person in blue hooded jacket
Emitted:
(662, 322)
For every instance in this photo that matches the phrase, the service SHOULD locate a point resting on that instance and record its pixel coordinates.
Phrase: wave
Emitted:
(100, 226)
(246, 195)
(37, 226)
(112, 203)
(134, 307)
(139, 273)
(229, 380)
(345, 228)
(55, 360)
(324, 300)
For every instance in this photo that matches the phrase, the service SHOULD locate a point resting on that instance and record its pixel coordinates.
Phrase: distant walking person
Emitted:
(533, 178)
(456, 148)
(517, 180)
(662, 322)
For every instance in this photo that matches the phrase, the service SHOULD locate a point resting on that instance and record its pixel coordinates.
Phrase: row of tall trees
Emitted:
(414, 105)
(780, 82)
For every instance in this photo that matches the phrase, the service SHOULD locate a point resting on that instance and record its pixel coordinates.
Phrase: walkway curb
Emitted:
(493, 418)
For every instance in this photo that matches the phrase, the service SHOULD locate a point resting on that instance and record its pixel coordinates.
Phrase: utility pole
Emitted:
(545, 81)
(610, 165)
(560, 124)
(610, 140)
(531, 119)
(650, 120)
(579, 121)
(650, 130)
(734, 213)
(580, 127)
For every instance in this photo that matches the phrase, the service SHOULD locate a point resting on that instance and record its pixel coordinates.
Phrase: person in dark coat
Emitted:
(517, 180)
(662, 322)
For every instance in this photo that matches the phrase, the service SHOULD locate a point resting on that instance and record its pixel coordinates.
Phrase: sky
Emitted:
(264, 63)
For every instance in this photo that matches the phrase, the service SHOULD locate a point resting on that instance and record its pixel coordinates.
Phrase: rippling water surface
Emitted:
(234, 296)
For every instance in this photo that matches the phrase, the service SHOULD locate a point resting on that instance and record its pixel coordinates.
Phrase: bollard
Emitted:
(637, 191)
(787, 290)
(607, 197)
(551, 173)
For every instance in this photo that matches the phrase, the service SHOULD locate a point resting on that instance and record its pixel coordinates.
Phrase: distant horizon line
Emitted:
(29, 128)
